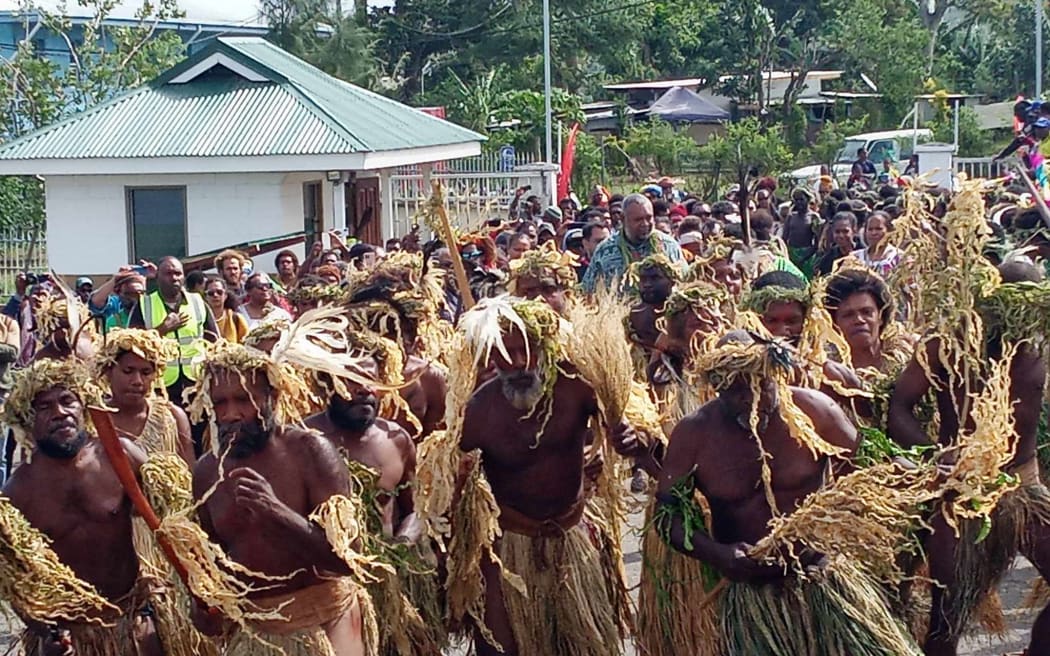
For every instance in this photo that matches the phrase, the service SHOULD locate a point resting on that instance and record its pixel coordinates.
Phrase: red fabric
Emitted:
(566, 162)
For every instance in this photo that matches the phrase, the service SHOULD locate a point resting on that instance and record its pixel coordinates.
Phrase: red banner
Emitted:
(568, 155)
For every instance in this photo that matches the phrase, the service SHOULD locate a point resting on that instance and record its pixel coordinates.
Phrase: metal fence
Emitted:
(496, 162)
(471, 198)
(980, 167)
(20, 251)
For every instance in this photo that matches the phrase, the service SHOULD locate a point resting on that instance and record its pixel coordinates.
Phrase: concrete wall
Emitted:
(87, 218)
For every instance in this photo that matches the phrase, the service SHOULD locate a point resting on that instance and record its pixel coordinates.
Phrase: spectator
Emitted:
(195, 282)
(842, 228)
(393, 245)
(287, 265)
(231, 265)
(258, 307)
(636, 241)
(115, 300)
(84, 286)
(232, 325)
(517, 245)
(878, 255)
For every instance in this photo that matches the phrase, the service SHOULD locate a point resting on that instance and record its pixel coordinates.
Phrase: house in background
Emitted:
(239, 142)
(639, 97)
(204, 20)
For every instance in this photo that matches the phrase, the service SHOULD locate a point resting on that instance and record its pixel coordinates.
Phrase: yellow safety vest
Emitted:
(190, 337)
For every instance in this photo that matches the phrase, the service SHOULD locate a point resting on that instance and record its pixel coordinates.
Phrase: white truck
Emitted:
(895, 144)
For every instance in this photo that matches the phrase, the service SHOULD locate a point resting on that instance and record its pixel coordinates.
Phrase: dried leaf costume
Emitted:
(33, 580)
(559, 579)
(840, 609)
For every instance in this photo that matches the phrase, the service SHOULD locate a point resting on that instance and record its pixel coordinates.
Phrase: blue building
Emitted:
(204, 21)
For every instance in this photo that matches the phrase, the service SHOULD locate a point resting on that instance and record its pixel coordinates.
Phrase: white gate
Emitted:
(472, 196)
(981, 167)
(21, 250)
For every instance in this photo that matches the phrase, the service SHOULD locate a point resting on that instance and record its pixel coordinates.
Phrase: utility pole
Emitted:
(549, 152)
(1038, 48)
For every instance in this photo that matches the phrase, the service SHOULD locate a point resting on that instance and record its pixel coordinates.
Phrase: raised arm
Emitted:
(901, 425)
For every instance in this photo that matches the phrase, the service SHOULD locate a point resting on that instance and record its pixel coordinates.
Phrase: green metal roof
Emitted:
(297, 110)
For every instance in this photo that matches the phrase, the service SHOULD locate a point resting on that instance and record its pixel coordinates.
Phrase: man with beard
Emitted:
(526, 432)
(382, 455)
(634, 242)
(354, 426)
(68, 491)
(266, 484)
(130, 362)
(777, 460)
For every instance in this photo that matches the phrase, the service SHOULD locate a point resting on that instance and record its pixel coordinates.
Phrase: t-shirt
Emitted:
(274, 314)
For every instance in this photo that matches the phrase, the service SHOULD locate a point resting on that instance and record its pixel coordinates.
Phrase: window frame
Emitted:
(129, 205)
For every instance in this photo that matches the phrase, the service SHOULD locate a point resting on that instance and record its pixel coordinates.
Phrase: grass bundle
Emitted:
(869, 516)
(601, 353)
(36, 583)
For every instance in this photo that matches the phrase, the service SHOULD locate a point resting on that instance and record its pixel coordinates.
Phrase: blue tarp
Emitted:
(680, 105)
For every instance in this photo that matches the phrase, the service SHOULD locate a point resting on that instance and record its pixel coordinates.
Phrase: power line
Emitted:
(535, 24)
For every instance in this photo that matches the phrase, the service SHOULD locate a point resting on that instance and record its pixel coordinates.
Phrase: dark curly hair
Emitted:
(848, 282)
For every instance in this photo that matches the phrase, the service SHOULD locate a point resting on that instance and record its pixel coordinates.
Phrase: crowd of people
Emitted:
(829, 403)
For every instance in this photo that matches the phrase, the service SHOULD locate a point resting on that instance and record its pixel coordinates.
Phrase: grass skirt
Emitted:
(675, 616)
(981, 564)
(308, 611)
(571, 608)
(835, 612)
(119, 639)
(411, 618)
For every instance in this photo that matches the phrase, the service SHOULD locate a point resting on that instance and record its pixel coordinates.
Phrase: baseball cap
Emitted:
(552, 213)
(84, 280)
(691, 237)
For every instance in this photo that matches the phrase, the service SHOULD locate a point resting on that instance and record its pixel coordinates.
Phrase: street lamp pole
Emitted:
(547, 77)
(1039, 48)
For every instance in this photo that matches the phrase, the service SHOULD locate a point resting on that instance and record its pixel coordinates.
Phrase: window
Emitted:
(156, 222)
(880, 150)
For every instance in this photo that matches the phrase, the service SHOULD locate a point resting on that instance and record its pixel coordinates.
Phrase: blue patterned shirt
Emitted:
(609, 263)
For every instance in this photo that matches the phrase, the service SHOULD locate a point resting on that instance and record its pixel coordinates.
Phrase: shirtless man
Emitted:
(655, 283)
(950, 616)
(140, 415)
(409, 600)
(353, 426)
(535, 466)
(275, 476)
(718, 439)
(801, 230)
(427, 384)
(69, 492)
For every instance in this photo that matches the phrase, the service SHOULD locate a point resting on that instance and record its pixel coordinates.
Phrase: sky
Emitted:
(243, 12)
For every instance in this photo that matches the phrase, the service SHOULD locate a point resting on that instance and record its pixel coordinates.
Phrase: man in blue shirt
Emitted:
(635, 241)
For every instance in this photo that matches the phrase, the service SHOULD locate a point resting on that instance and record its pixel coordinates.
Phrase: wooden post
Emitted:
(448, 236)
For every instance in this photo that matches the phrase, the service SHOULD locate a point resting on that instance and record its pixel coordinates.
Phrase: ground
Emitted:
(1013, 591)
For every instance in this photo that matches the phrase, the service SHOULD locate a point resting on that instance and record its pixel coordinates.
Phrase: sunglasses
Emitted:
(264, 285)
(215, 292)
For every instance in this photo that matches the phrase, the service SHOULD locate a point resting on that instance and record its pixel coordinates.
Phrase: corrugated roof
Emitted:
(298, 110)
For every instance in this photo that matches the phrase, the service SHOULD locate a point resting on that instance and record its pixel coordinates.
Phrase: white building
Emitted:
(240, 142)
